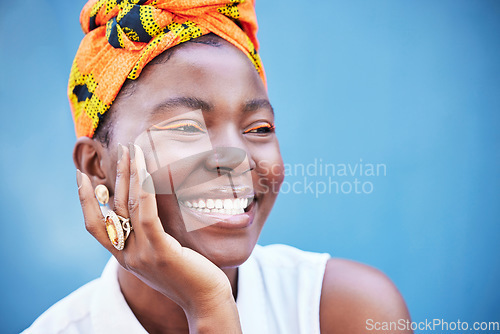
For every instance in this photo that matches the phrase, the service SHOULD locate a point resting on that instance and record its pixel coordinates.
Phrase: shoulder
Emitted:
(69, 315)
(356, 296)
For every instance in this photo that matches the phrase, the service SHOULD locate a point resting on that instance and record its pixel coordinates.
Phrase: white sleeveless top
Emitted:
(279, 291)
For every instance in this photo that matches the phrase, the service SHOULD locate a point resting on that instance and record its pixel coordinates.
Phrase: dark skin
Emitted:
(192, 276)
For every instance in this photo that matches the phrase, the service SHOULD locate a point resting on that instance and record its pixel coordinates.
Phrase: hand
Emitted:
(155, 257)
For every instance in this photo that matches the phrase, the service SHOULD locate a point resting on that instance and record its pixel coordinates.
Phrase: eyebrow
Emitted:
(196, 103)
(254, 105)
(184, 101)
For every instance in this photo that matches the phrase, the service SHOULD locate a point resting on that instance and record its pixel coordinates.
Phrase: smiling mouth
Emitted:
(225, 206)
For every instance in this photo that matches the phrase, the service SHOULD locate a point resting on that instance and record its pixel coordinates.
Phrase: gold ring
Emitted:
(118, 229)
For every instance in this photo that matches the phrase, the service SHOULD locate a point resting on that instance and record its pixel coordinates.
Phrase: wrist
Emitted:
(205, 305)
(218, 315)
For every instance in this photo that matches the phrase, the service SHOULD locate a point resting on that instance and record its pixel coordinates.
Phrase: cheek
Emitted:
(270, 170)
(171, 162)
(160, 149)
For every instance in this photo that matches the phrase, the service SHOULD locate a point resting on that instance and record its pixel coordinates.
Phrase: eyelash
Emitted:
(268, 128)
(180, 127)
(259, 129)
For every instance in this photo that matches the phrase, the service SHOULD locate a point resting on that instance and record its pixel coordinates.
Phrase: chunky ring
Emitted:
(118, 229)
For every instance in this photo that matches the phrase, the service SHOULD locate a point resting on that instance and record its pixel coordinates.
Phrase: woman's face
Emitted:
(205, 124)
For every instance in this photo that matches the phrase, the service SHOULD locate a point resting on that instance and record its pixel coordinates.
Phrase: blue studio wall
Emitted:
(412, 87)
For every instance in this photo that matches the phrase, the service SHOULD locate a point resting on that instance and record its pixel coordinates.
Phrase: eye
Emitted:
(261, 129)
(181, 126)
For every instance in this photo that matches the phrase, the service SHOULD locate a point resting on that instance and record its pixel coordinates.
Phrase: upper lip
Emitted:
(220, 192)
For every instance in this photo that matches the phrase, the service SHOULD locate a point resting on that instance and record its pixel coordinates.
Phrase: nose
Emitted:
(227, 160)
(230, 152)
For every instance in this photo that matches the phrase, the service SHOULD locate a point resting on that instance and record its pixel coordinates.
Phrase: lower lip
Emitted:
(221, 220)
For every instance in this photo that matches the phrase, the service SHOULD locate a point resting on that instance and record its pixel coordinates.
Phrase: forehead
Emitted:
(222, 76)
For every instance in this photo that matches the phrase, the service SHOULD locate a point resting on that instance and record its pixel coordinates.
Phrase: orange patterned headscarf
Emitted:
(123, 36)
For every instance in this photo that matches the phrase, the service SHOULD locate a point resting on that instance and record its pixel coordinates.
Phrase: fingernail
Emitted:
(131, 148)
(79, 179)
(120, 153)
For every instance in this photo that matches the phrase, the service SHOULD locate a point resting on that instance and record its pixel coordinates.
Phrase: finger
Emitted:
(142, 200)
(120, 204)
(94, 220)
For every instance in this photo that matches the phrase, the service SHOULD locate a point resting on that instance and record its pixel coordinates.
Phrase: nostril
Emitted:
(225, 159)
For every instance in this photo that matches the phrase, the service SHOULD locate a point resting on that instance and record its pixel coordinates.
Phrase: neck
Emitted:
(156, 312)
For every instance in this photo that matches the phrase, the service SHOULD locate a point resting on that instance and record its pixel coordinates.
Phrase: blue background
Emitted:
(414, 85)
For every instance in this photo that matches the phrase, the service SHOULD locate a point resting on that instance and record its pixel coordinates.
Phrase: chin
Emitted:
(228, 255)
(227, 243)
(225, 247)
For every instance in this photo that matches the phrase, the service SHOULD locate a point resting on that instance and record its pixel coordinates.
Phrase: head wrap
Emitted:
(123, 36)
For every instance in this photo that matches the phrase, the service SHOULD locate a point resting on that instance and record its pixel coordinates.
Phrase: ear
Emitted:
(91, 158)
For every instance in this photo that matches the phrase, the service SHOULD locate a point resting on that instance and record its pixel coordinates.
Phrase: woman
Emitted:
(181, 84)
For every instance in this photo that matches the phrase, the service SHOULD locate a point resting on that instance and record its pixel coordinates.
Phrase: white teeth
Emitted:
(218, 204)
(210, 203)
(228, 204)
(225, 206)
(237, 204)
